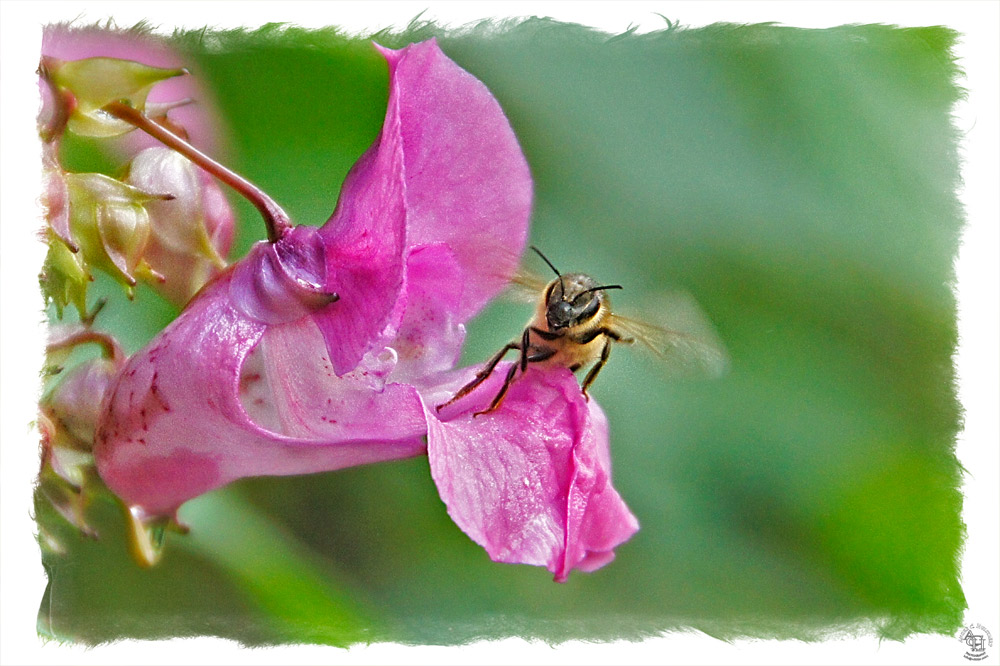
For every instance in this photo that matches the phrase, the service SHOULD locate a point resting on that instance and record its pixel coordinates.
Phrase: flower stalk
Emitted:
(275, 218)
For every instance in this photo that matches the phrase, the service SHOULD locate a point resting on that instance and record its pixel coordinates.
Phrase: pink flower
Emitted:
(330, 347)
(312, 313)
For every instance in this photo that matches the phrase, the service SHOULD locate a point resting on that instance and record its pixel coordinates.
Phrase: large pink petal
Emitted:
(467, 181)
(448, 168)
(531, 481)
(173, 425)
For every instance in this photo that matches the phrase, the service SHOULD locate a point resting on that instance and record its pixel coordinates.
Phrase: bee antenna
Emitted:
(546, 260)
(562, 287)
(605, 286)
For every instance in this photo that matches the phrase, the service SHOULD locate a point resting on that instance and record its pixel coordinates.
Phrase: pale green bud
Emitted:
(192, 230)
(65, 277)
(96, 82)
(111, 225)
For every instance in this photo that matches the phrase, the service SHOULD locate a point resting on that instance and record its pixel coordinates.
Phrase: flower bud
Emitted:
(65, 277)
(68, 415)
(191, 231)
(96, 82)
(55, 199)
(110, 223)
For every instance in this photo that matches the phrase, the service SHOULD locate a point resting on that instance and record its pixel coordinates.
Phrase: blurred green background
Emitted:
(800, 184)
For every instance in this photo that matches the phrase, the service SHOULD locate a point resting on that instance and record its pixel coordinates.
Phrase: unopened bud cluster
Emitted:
(161, 220)
(68, 415)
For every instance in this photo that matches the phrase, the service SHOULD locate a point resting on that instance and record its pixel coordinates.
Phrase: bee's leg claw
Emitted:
(480, 377)
(498, 400)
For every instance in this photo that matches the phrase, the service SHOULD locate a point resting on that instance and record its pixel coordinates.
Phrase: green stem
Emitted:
(277, 221)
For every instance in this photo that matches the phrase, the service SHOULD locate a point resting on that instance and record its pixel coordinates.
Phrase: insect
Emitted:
(574, 326)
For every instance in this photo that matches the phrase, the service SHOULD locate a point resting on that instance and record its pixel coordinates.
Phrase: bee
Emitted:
(575, 326)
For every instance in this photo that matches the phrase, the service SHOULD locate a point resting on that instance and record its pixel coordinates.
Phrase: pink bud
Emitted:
(191, 232)
(68, 415)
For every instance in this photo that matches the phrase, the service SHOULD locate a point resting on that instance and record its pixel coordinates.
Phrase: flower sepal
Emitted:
(64, 277)
(282, 282)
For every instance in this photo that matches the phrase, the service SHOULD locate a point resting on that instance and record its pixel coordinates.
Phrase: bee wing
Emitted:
(526, 287)
(682, 337)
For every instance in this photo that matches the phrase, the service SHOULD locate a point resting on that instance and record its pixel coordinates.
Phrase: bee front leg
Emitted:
(500, 395)
(481, 375)
(592, 375)
(522, 363)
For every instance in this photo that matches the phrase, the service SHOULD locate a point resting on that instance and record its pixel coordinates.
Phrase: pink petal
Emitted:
(430, 334)
(364, 249)
(531, 481)
(448, 168)
(467, 181)
(174, 426)
(293, 388)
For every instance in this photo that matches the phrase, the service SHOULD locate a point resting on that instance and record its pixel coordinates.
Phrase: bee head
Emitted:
(574, 299)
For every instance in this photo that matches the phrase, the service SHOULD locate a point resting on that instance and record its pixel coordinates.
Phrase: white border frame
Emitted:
(979, 315)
